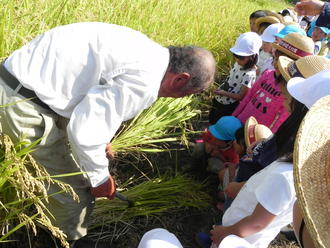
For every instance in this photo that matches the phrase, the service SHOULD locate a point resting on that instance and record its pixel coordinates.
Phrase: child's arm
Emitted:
(236, 96)
(258, 220)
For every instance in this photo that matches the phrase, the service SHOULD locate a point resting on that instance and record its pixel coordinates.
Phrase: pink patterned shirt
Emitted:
(265, 102)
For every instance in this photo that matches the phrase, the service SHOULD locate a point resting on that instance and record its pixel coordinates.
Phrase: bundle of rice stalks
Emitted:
(163, 122)
(151, 198)
(23, 191)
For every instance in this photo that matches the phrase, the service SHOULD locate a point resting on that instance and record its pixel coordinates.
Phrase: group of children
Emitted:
(254, 120)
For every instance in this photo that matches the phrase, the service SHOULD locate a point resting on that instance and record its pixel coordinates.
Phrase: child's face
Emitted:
(238, 148)
(215, 146)
(253, 26)
(267, 47)
(241, 60)
(318, 34)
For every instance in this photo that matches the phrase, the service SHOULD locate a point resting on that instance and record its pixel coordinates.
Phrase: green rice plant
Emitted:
(23, 191)
(149, 131)
(151, 198)
(212, 24)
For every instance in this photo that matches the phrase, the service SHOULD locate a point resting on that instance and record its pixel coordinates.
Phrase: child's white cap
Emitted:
(234, 241)
(247, 44)
(309, 90)
(160, 238)
(269, 34)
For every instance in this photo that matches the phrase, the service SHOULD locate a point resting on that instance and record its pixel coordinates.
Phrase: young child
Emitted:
(287, 30)
(265, 203)
(265, 101)
(253, 17)
(244, 137)
(318, 36)
(241, 78)
(217, 144)
(266, 56)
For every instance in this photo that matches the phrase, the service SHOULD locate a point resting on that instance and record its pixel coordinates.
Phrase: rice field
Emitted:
(213, 24)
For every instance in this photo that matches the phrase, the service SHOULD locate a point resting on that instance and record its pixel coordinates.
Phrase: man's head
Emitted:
(190, 70)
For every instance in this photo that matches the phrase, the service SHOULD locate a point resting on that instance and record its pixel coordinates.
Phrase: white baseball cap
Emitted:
(160, 238)
(269, 34)
(247, 44)
(233, 241)
(311, 89)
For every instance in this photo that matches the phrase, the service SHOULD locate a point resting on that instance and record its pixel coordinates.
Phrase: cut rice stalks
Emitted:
(151, 198)
(23, 191)
(163, 122)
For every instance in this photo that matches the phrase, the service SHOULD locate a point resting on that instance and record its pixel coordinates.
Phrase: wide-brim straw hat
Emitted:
(304, 67)
(267, 19)
(295, 45)
(312, 171)
(253, 131)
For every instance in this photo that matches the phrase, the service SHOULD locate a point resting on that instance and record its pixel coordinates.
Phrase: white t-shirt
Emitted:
(237, 78)
(95, 74)
(273, 188)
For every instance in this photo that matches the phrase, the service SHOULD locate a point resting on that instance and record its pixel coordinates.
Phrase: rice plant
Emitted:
(151, 198)
(23, 191)
(162, 122)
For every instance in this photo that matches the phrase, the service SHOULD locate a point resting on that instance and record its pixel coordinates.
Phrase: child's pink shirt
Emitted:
(265, 102)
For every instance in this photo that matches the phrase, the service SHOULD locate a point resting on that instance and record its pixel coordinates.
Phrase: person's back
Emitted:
(81, 57)
(273, 189)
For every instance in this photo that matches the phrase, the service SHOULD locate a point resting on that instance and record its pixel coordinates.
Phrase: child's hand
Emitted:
(233, 189)
(218, 234)
(220, 92)
(109, 152)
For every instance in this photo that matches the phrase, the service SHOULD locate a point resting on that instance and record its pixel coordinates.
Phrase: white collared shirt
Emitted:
(95, 74)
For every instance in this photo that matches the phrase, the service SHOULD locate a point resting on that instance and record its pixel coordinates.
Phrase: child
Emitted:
(250, 133)
(217, 144)
(253, 17)
(265, 55)
(287, 30)
(265, 101)
(241, 77)
(318, 36)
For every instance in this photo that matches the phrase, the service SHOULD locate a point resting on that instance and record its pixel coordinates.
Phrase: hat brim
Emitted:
(239, 52)
(215, 133)
(248, 123)
(283, 63)
(294, 88)
(267, 38)
(287, 52)
(312, 171)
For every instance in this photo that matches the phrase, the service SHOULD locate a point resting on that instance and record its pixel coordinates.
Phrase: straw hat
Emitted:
(304, 67)
(266, 19)
(274, 14)
(312, 171)
(295, 45)
(254, 131)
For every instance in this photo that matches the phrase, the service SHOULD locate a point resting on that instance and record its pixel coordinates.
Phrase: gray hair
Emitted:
(196, 61)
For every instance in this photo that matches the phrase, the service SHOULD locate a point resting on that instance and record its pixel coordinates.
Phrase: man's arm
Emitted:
(257, 221)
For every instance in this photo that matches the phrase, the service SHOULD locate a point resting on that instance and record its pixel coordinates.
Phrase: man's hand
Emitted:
(308, 7)
(106, 189)
(109, 152)
(218, 233)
